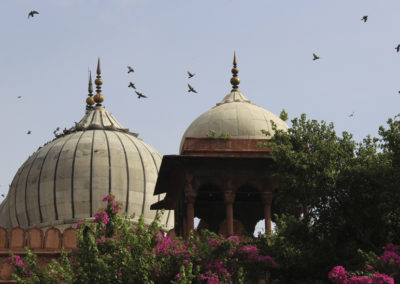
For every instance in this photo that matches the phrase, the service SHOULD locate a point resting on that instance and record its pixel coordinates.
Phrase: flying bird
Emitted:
(140, 95)
(190, 74)
(32, 13)
(315, 57)
(351, 114)
(365, 18)
(397, 48)
(130, 69)
(191, 89)
(131, 85)
(19, 97)
(29, 132)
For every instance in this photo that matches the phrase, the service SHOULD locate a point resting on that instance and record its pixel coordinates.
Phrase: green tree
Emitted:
(348, 192)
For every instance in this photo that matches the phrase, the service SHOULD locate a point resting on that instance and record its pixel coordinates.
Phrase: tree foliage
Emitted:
(349, 193)
(113, 250)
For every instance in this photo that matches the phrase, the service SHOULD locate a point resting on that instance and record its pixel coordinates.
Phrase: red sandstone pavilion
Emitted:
(220, 177)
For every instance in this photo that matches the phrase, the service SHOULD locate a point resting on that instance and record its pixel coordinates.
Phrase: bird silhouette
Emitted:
(140, 95)
(55, 131)
(2, 195)
(397, 48)
(130, 69)
(190, 74)
(32, 13)
(19, 97)
(131, 85)
(315, 57)
(351, 114)
(364, 18)
(29, 132)
(191, 89)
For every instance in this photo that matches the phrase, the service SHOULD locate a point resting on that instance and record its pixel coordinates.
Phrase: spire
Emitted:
(89, 99)
(98, 98)
(235, 81)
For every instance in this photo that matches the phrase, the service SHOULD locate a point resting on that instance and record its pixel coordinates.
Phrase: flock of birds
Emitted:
(140, 95)
(32, 13)
(131, 85)
(364, 19)
(190, 75)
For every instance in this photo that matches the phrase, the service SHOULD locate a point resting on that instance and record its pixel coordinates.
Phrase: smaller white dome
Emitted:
(236, 117)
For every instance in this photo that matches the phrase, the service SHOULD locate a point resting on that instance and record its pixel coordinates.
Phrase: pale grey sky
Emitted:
(45, 60)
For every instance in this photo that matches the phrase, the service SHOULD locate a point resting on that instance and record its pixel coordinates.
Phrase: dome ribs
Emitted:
(55, 176)
(40, 176)
(155, 166)
(91, 178)
(26, 186)
(109, 161)
(14, 192)
(66, 179)
(127, 174)
(144, 173)
(112, 120)
(72, 177)
(108, 151)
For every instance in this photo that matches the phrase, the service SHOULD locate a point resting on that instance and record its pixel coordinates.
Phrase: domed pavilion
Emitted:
(221, 176)
(65, 180)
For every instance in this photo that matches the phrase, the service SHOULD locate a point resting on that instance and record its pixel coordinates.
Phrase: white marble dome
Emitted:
(65, 180)
(235, 116)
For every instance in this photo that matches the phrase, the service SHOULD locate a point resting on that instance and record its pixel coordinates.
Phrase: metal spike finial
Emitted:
(90, 87)
(235, 81)
(89, 99)
(98, 66)
(98, 98)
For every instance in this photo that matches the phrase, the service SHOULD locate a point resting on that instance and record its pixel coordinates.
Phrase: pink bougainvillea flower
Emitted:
(79, 224)
(106, 197)
(390, 258)
(338, 274)
(391, 247)
(234, 239)
(101, 217)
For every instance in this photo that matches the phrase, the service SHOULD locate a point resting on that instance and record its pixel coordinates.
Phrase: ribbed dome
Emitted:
(235, 116)
(66, 179)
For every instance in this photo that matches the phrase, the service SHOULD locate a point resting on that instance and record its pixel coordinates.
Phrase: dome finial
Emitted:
(235, 81)
(98, 98)
(89, 99)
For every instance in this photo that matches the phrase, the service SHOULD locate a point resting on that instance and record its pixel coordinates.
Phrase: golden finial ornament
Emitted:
(89, 99)
(235, 81)
(98, 98)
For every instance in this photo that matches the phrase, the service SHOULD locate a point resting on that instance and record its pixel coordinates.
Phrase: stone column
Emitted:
(267, 201)
(229, 199)
(190, 197)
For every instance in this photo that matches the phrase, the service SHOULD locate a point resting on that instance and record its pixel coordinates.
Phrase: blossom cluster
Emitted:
(338, 274)
(112, 250)
(15, 259)
(390, 256)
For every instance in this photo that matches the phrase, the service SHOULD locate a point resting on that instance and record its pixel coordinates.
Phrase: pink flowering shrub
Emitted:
(384, 269)
(112, 250)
